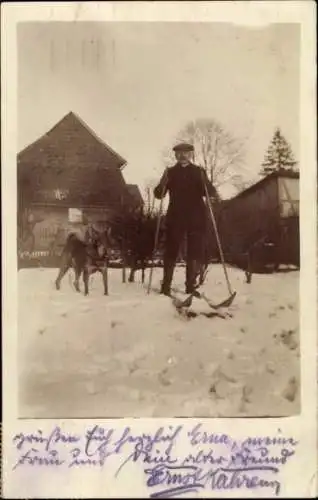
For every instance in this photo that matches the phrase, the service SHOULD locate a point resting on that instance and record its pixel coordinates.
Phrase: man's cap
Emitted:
(183, 146)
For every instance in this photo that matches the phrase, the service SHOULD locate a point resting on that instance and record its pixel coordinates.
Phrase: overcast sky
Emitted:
(137, 84)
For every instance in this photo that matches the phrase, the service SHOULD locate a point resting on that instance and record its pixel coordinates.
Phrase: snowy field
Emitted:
(131, 354)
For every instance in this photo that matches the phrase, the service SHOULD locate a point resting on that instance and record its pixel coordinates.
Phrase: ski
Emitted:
(192, 314)
(225, 303)
(186, 311)
(183, 306)
(200, 295)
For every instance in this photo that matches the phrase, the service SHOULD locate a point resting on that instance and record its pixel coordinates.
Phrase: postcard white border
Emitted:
(299, 478)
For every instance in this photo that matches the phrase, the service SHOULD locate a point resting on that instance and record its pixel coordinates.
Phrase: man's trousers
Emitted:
(195, 252)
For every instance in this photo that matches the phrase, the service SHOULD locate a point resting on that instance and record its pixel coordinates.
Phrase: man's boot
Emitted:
(167, 278)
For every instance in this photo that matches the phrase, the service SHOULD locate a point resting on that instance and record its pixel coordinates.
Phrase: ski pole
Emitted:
(217, 237)
(157, 232)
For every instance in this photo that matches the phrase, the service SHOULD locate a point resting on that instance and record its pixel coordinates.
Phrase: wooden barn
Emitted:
(264, 218)
(66, 177)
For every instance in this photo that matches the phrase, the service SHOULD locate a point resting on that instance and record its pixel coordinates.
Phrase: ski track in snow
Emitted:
(132, 355)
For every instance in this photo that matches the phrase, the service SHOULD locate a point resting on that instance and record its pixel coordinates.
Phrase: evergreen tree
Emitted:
(279, 155)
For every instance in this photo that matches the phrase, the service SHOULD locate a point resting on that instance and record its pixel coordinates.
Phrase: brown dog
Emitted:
(85, 257)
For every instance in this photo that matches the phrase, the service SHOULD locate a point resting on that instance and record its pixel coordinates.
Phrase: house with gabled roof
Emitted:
(68, 175)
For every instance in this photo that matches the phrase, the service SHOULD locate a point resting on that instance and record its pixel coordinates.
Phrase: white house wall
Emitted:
(288, 190)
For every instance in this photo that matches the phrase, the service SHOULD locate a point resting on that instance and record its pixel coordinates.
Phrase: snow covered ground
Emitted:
(131, 354)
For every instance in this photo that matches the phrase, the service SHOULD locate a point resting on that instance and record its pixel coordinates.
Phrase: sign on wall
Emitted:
(75, 215)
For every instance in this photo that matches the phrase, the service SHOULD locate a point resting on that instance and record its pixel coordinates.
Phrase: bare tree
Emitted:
(221, 154)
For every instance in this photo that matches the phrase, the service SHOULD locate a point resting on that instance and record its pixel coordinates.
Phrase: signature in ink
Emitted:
(176, 480)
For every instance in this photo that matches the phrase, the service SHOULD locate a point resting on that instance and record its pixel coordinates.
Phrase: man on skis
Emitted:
(186, 215)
